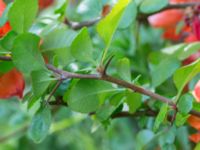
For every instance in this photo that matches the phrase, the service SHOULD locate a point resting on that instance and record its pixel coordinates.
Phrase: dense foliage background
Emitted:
(99, 75)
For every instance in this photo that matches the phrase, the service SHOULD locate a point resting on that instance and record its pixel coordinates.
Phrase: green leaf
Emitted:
(64, 56)
(143, 138)
(134, 101)
(189, 50)
(22, 14)
(86, 95)
(8, 40)
(196, 106)
(169, 147)
(159, 73)
(107, 26)
(40, 81)
(168, 137)
(4, 17)
(180, 119)
(185, 104)
(183, 75)
(174, 50)
(25, 53)
(129, 15)
(82, 48)
(105, 112)
(40, 125)
(91, 10)
(150, 6)
(6, 66)
(58, 39)
(161, 116)
(197, 147)
(123, 69)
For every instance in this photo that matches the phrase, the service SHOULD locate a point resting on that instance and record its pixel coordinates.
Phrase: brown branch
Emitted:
(5, 58)
(119, 82)
(141, 16)
(58, 102)
(135, 88)
(136, 114)
(54, 90)
(79, 25)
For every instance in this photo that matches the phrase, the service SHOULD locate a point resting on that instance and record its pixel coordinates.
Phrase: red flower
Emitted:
(166, 19)
(11, 84)
(195, 137)
(195, 123)
(5, 28)
(196, 27)
(2, 7)
(182, 1)
(170, 34)
(191, 38)
(196, 92)
(45, 3)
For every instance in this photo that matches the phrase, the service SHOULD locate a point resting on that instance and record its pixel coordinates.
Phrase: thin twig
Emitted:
(107, 65)
(79, 25)
(108, 78)
(141, 16)
(58, 102)
(5, 58)
(135, 88)
(54, 90)
(122, 83)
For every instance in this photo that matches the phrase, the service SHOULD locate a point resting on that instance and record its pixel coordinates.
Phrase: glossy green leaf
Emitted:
(40, 125)
(8, 40)
(197, 147)
(180, 119)
(189, 50)
(107, 26)
(58, 39)
(174, 50)
(25, 53)
(124, 69)
(196, 106)
(161, 116)
(143, 137)
(82, 48)
(185, 104)
(86, 95)
(40, 81)
(6, 66)
(22, 14)
(150, 6)
(129, 15)
(134, 101)
(164, 70)
(183, 75)
(64, 56)
(91, 10)
(169, 147)
(168, 137)
(105, 112)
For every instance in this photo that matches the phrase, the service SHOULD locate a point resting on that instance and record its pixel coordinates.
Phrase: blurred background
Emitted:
(74, 131)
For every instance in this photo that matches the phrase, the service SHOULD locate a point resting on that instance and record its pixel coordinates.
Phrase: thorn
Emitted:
(107, 64)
